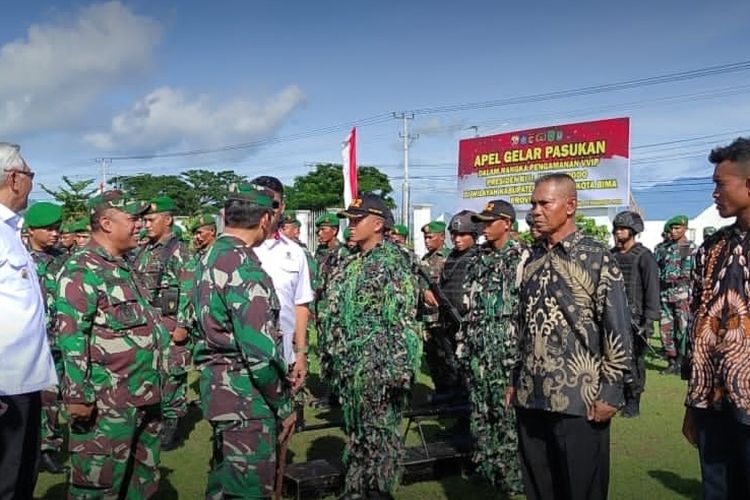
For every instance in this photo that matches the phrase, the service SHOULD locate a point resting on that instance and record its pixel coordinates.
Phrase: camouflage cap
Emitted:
(400, 230)
(162, 204)
(65, 226)
(496, 209)
(43, 214)
(328, 219)
(629, 220)
(117, 200)
(434, 227)
(677, 220)
(200, 220)
(252, 193)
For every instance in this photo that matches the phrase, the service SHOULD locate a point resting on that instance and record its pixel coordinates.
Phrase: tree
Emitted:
(73, 197)
(324, 187)
(146, 187)
(211, 187)
(589, 227)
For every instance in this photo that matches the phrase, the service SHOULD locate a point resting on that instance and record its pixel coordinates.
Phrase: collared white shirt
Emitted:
(26, 363)
(285, 261)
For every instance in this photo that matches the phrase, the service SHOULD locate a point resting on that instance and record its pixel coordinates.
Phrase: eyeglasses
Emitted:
(24, 172)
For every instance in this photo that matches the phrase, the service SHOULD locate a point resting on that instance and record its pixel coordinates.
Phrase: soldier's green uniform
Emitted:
(675, 261)
(161, 265)
(375, 351)
(487, 349)
(48, 263)
(244, 392)
(112, 345)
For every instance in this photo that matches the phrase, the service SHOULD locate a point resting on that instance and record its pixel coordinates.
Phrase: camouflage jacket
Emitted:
(676, 262)
(185, 314)
(432, 263)
(238, 341)
(371, 320)
(48, 264)
(489, 334)
(163, 276)
(111, 338)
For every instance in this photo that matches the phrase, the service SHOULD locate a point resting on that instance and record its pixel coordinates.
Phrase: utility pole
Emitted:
(405, 189)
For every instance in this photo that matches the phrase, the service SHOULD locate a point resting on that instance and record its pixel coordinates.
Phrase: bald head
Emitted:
(562, 184)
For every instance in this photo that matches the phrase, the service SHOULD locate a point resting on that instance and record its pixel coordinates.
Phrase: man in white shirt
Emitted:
(285, 261)
(26, 365)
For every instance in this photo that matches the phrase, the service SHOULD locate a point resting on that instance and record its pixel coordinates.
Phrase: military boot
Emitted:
(49, 462)
(170, 438)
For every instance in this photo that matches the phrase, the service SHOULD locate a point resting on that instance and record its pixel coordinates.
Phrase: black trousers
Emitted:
(19, 444)
(724, 448)
(563, 457)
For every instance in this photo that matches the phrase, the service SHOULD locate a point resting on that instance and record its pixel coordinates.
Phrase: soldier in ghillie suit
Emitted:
(375, 350)
(42, 220)
(675, 261)
(112, 344)
(487, 346)
(244, 392)
(641, 276)
(161, 263)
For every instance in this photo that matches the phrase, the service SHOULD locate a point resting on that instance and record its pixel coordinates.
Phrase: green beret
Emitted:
(43, 214)
(434, 227)
(65, 227)
(677, 220)
(289, 217)
(162, 204)
(347, 233)
(256, 195)
(400, 230)
(200, 220)
(327, 220)
(117, 200)
(82, 225)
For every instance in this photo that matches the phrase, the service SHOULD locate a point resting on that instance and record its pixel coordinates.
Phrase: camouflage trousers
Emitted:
(674, 327)
(440, 351)
(51, 429)
(375, 446)
(117, 456)
(174, 385)
(243, 464)
(493, 427)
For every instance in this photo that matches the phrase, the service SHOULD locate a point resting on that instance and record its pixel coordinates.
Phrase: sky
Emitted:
(83, 80)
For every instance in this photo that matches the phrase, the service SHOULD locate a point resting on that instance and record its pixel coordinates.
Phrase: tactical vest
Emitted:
(628, 263)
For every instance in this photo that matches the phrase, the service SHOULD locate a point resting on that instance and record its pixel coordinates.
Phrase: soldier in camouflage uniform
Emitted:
(67, 240)
(112, 345)
(42, 221)
(375, 350)
(161, 264)
(675, 260)
(244, 392)
(81, 227)
(432, 261)
(203, 229)
(487, 346)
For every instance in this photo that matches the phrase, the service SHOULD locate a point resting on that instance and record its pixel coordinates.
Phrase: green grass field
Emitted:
(650, 458)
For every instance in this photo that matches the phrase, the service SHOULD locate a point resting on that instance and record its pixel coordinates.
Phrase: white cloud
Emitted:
(169, 117)
(50, 76)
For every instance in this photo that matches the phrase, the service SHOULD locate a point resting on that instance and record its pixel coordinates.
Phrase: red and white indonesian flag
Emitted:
(349, 154)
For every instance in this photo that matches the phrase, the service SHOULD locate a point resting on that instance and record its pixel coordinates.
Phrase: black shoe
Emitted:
(49, 462)
(631, 409)
(170, 438)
